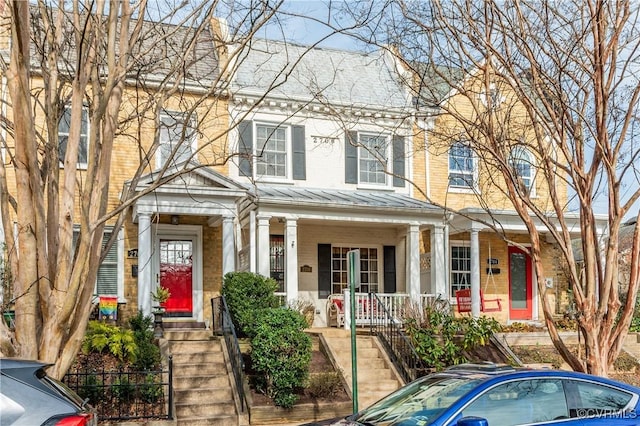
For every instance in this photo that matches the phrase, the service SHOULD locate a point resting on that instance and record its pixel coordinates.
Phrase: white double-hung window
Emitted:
(178, 137)
(271, 151)
(461, 166)
(64, 126)
(521, 162)
(373, 156)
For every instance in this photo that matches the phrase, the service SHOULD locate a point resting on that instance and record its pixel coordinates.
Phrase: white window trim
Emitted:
(388, 179)
(499, 99)
(455, 243)
(473, 189)
(533, 164)
(194, 142)
(119, 246)
(79, 165)
(361, 246)
(288, 177)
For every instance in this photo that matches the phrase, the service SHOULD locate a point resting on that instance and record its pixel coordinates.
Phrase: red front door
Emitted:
(176, 267)
(520, 285)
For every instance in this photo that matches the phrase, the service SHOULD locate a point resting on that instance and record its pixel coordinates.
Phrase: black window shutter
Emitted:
(389, 269)
(398, 161)
(245, 147)
(351, 157)
(299, 157)
(324, 270)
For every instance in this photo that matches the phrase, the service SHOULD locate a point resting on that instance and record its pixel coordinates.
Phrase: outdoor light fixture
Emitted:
(175, 219)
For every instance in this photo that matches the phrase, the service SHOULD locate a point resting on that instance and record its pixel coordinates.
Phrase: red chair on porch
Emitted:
(463, 301)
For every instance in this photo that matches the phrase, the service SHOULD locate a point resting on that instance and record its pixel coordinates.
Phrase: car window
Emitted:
(521, 402)
(593, 400)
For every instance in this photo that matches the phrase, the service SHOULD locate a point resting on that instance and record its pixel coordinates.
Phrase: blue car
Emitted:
(501, 395)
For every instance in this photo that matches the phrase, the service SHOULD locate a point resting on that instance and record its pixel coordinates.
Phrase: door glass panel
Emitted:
(518, 281)
(176, 264)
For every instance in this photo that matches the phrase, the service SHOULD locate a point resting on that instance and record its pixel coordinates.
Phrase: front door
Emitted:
(520, 285)
(176, 274)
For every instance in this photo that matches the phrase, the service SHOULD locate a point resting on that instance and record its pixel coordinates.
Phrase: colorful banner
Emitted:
(108, 308)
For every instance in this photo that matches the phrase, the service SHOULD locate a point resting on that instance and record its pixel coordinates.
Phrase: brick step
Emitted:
(196, 382)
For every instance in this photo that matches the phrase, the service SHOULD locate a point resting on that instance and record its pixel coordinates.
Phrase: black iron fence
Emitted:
(395, 341)
(222, 324)
(126, 395)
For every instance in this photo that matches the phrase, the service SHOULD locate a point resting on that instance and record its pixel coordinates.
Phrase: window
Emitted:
(276, 257)
(373, 153)
(596, 400)
(178, 137)
(271, 151)
(461, 166)
(64, 125)
(369, 272)
(491, 98)
(460, 268)
(108, 281)
(521, 161)
(521, 402)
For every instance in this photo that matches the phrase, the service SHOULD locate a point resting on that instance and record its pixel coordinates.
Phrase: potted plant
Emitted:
(160, 295)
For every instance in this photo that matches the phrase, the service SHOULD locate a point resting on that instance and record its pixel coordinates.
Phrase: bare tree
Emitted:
(115, 64)
(561, 80)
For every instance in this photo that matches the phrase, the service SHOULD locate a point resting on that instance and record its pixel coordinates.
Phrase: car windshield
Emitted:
(421, 400)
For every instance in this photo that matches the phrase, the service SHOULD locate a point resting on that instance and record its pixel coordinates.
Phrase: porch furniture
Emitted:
(463, 302)
(335, 310)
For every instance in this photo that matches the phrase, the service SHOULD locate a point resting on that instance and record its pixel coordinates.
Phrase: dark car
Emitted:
(28, 396)
(500, 395)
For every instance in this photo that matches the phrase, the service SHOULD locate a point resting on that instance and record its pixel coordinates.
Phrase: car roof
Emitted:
(18, 363)
(493, 372)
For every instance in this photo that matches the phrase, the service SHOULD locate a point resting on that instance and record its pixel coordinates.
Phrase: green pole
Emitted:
(354, 275)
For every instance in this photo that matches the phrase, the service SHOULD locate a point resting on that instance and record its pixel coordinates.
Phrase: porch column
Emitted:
(228, 246)
(145, 277)
(253, 242)
(438, 262)
(413, 262)
(475, 274)
(291, 259)
(264, 267)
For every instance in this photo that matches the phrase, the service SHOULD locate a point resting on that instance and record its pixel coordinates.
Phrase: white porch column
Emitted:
(253, 264)
(413, 262)
(475, 274)
(264, 259)
(438, 262)
(145, 272)
(228, 246)
(291, 259)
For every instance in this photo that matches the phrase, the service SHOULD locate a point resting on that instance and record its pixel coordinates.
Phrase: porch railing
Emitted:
(387, 326)
(224, 325)
(397, 305)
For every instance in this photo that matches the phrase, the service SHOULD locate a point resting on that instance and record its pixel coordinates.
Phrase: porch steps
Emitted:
(632, 345)
(202, 391)
(376, 376)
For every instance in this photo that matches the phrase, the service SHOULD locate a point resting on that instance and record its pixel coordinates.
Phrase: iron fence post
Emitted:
(170, 414)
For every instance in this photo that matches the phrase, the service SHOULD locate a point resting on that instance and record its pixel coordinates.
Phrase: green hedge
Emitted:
(246, 293)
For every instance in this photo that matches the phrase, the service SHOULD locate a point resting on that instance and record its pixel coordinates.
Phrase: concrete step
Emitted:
(203, 408)
(190, 370)
(191, 346)
(197, 358)
(187, 334)
(204, 395)
(196, 382)
(221, 420)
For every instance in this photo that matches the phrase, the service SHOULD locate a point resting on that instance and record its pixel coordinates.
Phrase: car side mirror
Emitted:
(472, 421)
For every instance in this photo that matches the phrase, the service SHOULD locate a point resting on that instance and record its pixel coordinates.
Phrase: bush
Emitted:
(324, 384)
(120, 343)
(151, 391)
(148, 353)
(246, 293)
(123, 390)
(91, 388)
(280, 354)
(441, 339)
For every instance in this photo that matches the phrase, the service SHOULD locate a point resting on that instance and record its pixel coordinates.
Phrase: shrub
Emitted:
(324, 384)
(91, 388)
(148, 353)
(151, 391)
(280, 354)
(441, 339)
(122, 389)
(121, 343)
(246, 293)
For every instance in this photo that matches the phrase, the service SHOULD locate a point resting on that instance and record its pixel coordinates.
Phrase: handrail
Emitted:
(397, 344)
(224, 325)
